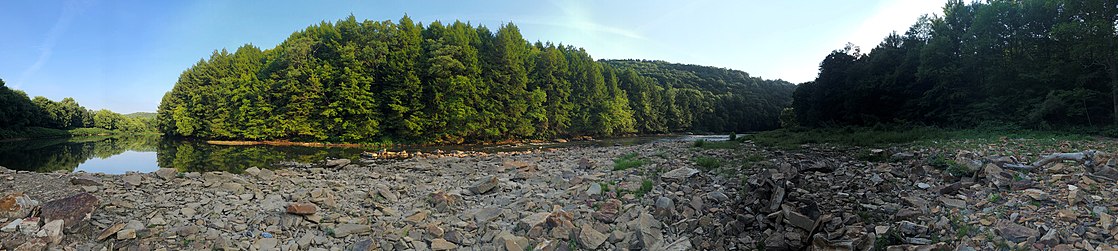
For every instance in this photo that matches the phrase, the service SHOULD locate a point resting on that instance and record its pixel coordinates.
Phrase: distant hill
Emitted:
(147, 115)
(740, 102)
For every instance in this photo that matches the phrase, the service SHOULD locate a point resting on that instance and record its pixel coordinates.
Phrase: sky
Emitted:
(124, 55)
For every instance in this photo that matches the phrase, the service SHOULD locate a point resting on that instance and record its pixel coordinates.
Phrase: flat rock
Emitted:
(166, 173)
(484, 185)
(439, 244)
(126, 234)
(681, 173)
(263, 244)
(486, 214)
(956, 203)
(1036, 194)
(343, 230)
(112, 230)
(1015, 232)
(302, 208)
(52, 230)
(590, 238)
(132, 179)
(72, 210)
(337, 163)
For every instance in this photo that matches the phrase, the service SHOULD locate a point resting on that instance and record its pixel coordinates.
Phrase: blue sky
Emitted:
(123, 55)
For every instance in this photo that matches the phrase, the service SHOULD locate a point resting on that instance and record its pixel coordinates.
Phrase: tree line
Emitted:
(384, 82)
(19, 113)
(1033, 63)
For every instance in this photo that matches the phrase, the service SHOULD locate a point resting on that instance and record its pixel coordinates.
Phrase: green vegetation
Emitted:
(707, 163)
(1036, 64)
(646, 186)
(23, 117)
(385, 82)
(627, 161)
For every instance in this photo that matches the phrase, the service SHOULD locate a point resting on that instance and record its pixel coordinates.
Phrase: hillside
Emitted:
(386, 82)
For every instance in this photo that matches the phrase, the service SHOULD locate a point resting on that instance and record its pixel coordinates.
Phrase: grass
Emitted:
(707, 163)
(627, 161)
(33, 132)
(646, 186)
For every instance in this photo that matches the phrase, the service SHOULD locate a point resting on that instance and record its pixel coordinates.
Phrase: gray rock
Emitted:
(166, 173)
(590, 238)
(485, 215)
(1014, 232)
(664, 206)
(439, 244)
(594, 189)
(957, 203)
(683, 244)
(484, 185)
(264, 244)
(337, 163)
(681, 173)
(718, 196)
(343, 230)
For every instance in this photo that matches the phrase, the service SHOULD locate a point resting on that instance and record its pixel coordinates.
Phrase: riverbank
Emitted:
(659, 196)
(12, 135)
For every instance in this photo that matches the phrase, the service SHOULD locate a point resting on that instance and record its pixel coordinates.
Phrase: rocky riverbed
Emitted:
(675, 197)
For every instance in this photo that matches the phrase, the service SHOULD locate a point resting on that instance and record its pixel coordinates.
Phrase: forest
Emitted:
(391, 82)
(1033, 64)
(23, 117)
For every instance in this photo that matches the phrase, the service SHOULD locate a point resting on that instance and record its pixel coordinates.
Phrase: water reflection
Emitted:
(115, 155)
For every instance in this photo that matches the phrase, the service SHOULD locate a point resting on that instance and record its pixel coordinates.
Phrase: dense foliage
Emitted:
(1034, 63)
(681, 97)
(19, 114)
(387, 81)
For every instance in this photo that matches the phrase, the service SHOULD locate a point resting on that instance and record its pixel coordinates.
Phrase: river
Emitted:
(118, 155)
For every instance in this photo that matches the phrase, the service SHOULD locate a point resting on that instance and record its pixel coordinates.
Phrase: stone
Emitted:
(664, 206)
(1014, 232)
(11, 226)
(590, 238)
(485, 215)
(52, 230)
(16, 205)
(1050, 239)
(337, 163)
(386, 193)
(302, 208)
(126, 234)
(952, 188)
(681, 173)
(607, 211)
(266, 244)
(439, 244)
(363, 245)
(1106, 221)
(682, 244)
(435, 231)
(85, 180)
(73, 209)
(956, 203)
(533, 220)
(29, 226)
(594, 189)
(166, 173)
(133, 179)
(923, 185)
(417, 217)
(188, 212)
(512, 242)
(1036, 194)
(443, 201)
(484, 185)
(1075, 196)
(1067, 214)
(254, 171)
(799, 220)
(343, 230)
(718, 196)
(112, 230)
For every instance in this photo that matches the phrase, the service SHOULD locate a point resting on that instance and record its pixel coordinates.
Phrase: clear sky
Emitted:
(124, 55)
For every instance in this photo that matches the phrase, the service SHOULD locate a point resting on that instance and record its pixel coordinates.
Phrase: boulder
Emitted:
(439, 244)
(1014, 232)
(73, 210)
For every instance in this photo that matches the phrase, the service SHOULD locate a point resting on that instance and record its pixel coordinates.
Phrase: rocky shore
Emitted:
(677, 197)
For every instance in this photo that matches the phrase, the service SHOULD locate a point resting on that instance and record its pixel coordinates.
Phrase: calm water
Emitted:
(149, 153)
